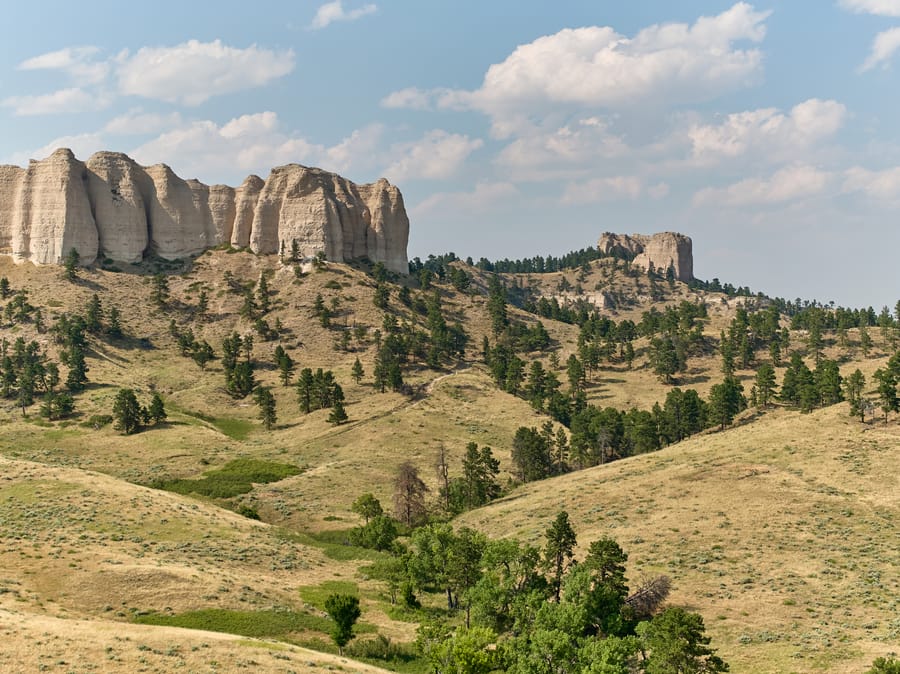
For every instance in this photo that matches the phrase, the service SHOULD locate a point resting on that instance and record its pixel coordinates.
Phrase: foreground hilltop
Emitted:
(112, 207)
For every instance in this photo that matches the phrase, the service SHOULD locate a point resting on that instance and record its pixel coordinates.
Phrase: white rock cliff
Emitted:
(660, 250)
(111, 206)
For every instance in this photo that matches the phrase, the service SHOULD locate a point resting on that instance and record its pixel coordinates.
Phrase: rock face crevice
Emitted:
(659, 250)
(111, 206)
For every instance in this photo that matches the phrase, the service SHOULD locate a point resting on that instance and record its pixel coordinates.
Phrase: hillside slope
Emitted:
(782, 533)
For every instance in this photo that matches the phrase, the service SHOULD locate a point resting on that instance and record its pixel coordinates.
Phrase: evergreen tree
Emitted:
(266, 403)
(676, 643)
(127, 412)
(160, 289)
(854, 385)
(559, 550)
(157, 410)
(479, 479)
(285, 365)
(344, 610)
(93, 315)
(887, 391)
(338, 414)
(664, 358)
(765, 385)
(70, 264)
(113, 323)
(725, 401)
(357, 371)
(828, 382)
(305, 390)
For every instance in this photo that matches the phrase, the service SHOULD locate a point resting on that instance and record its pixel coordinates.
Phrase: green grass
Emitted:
(317, 594)
(259, 624)
(333, 543)
(236, 429)
(269, 624)
(234, 478)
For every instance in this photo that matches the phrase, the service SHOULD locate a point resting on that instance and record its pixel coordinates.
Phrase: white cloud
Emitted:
(83, 145)
(615, 188)
(882, 185)
(877, 7)
(791, 183)
(437, 154)
(485, 196)
(136, 122)
(193, 72)
(883, 47)
(68, 101)
(334, 11)
(250, 143)
(411, 98)
(767, 131)
(77, 62)
(551, 152)
(664, 64)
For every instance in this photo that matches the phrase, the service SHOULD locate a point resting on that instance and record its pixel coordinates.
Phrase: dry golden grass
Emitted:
(34, 643)
(779, 532)
(782, 533)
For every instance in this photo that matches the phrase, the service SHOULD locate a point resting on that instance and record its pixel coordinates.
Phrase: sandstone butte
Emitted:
(660, 250)
(111, 206)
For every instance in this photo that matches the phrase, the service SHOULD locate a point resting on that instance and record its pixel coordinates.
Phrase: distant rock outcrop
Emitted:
(113, 207)
(660, 250)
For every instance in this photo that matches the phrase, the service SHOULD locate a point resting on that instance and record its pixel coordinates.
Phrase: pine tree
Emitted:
(160, 292)
(357, 371)
(127, 411)
(338, 414)
(305, 390)
(854, 385)
(113, 323)
(93, 315)
(156, 410)
(266, 402)
(559, 550)
(765, 384)
(70, 265)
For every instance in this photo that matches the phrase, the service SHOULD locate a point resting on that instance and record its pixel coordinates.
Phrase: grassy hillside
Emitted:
(781, 532)
(777, 531)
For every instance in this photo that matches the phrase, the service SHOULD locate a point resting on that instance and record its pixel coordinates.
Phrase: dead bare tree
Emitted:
(650, 594)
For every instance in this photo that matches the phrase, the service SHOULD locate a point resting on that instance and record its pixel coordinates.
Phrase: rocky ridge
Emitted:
(111, 206)
(660, 250)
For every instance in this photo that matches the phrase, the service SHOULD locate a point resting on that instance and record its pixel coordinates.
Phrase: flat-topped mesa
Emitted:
(663, 250)
(111, 206)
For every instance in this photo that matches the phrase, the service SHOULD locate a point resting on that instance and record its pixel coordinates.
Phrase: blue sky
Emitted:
(767, 131)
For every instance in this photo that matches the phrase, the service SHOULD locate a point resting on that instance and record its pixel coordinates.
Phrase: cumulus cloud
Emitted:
(597, 67)
(249, 143)
(562, 150)
(436, 155)
(883, 47)
(767, 131)
(485, 196)
(78, 62)
(877, 7)
(69, 101)
(193, 72)
(334, 11)
(83, 145)
(790, 183)
(883, 185)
